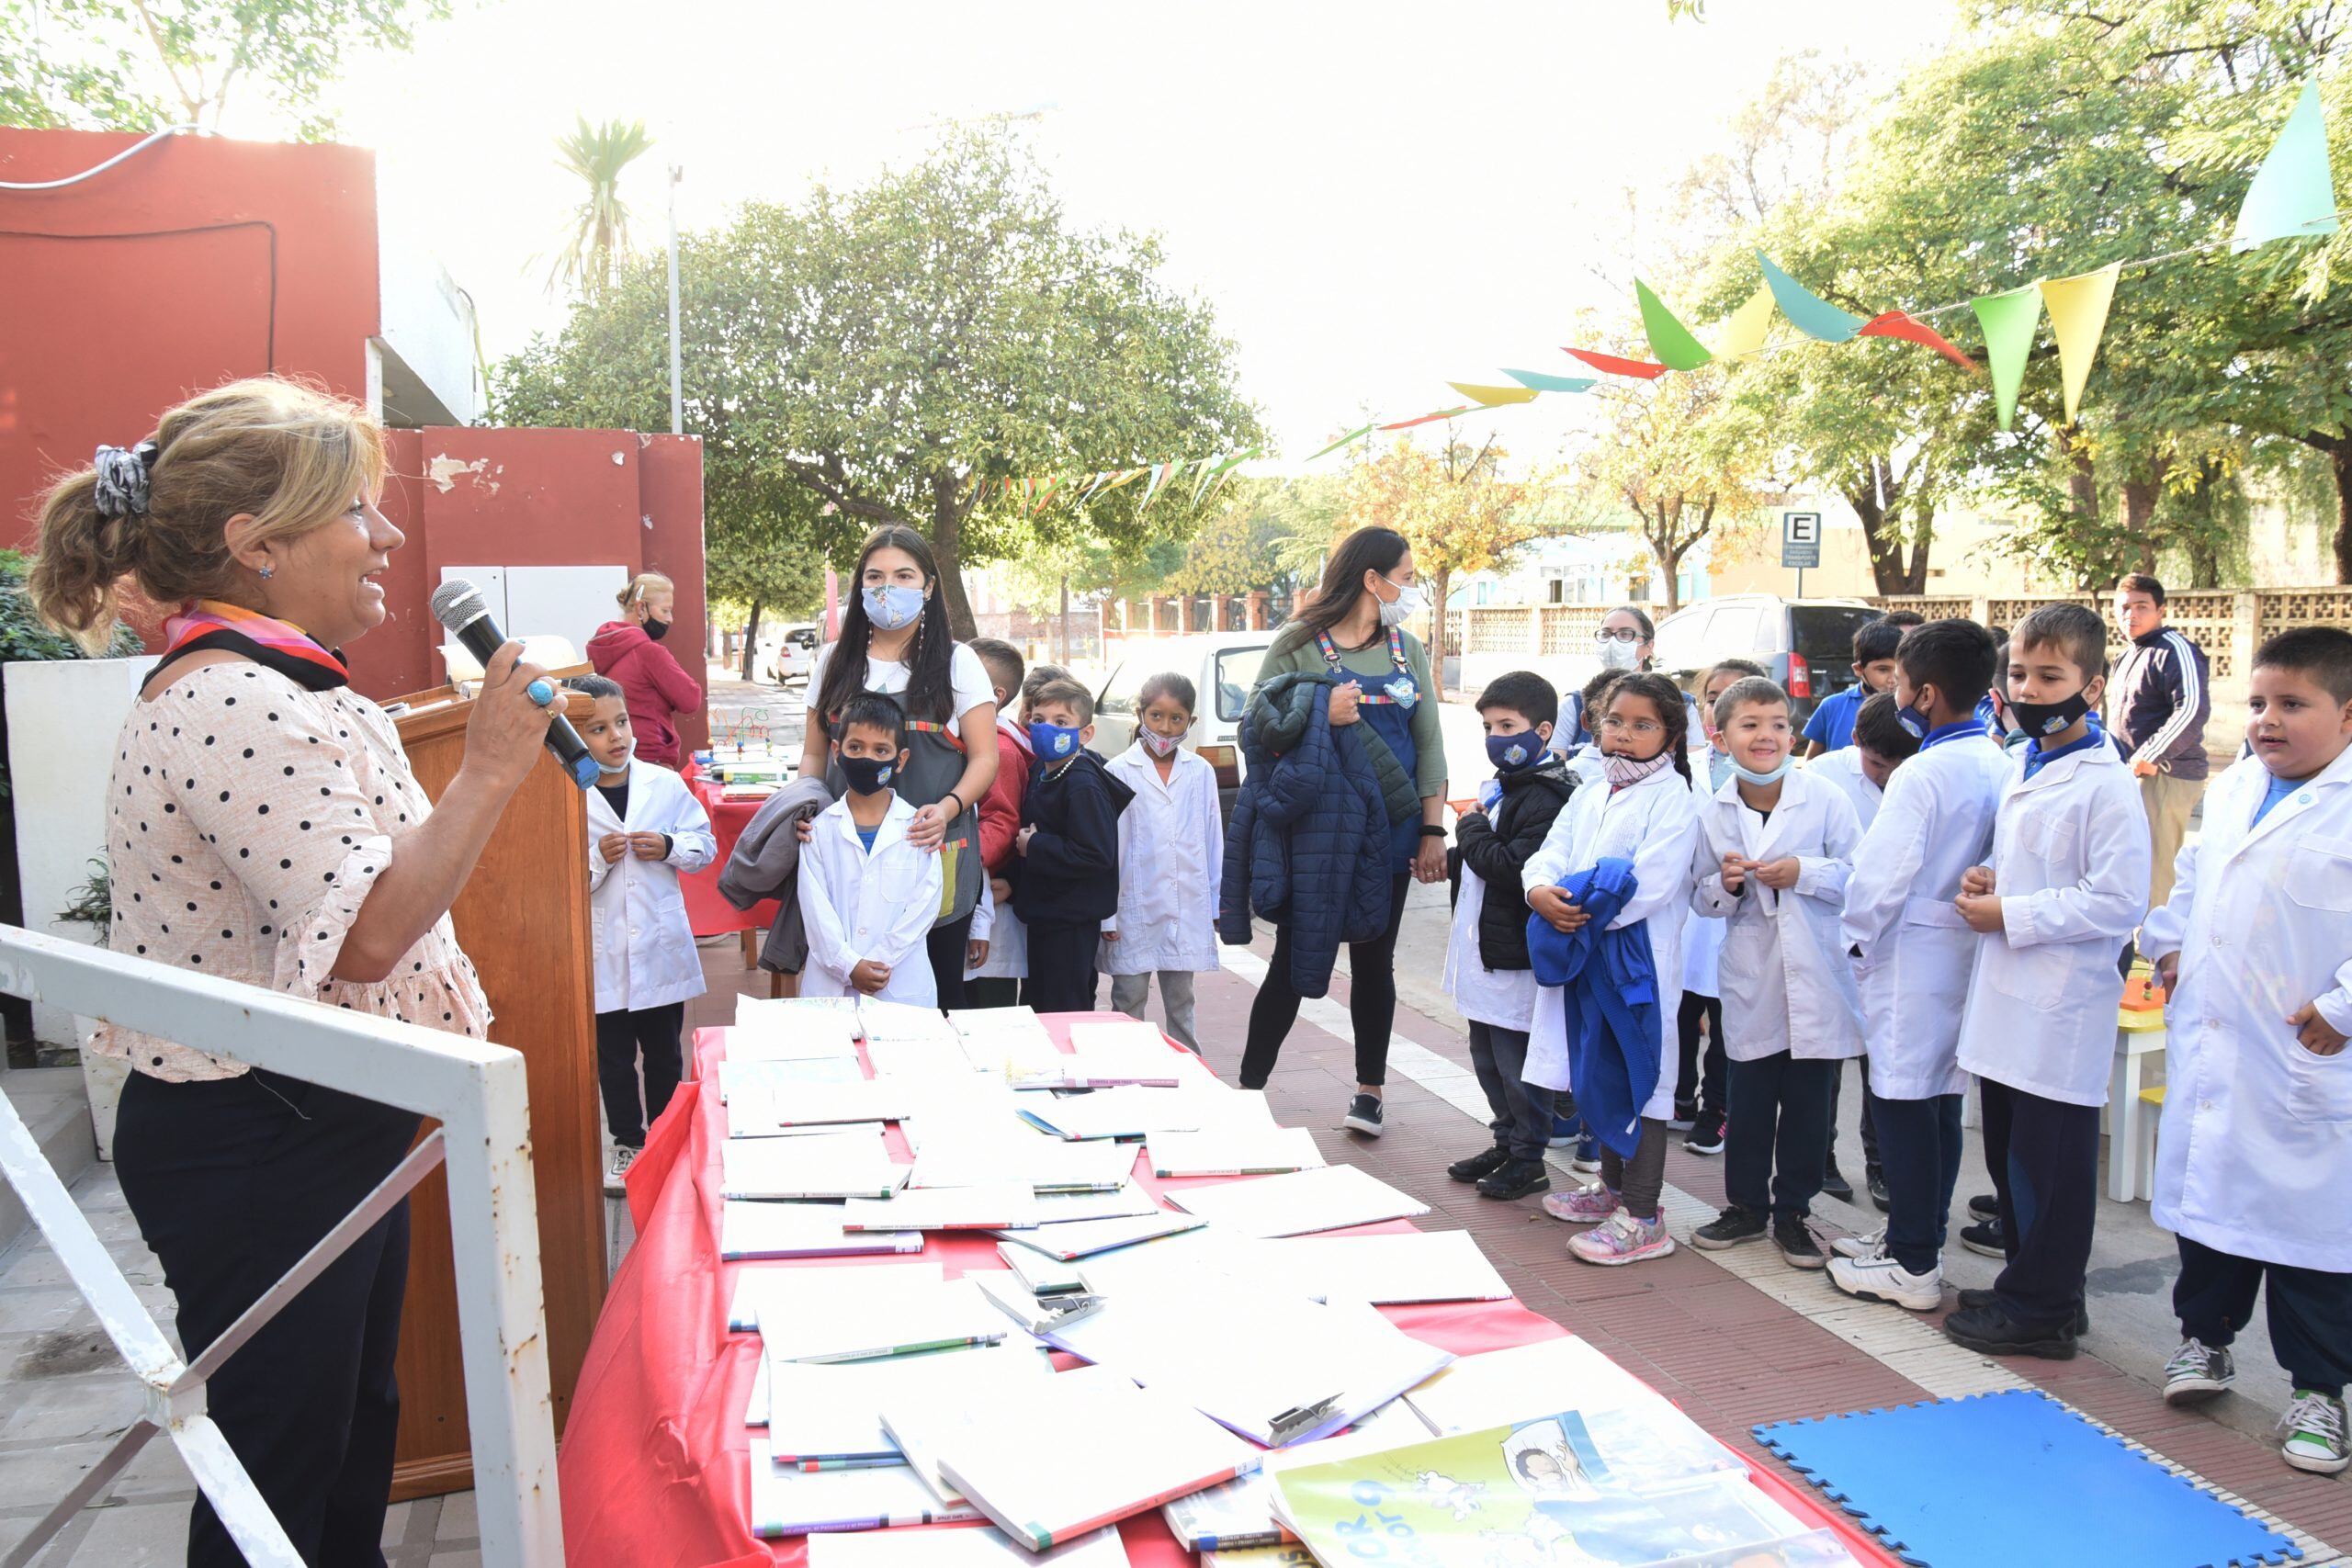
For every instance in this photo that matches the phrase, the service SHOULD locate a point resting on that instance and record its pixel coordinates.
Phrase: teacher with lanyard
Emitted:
(1353, 628)
(263, 826)
(895, 640)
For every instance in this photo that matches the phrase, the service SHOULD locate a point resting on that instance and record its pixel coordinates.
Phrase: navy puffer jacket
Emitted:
(1307, 845)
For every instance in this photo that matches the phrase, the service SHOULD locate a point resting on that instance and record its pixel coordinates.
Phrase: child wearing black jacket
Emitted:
(1066, 879)
(1487, 969)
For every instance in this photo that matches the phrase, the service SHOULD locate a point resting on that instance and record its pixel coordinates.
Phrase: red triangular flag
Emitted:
(1612, 365)
(1425, 418)
(1895, 324)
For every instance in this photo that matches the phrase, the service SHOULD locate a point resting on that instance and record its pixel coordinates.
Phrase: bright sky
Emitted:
(1377, 199)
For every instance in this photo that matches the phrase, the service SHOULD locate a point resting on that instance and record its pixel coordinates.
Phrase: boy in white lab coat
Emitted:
(1699, 1082)
(1171, 863)
(1913, 954)
(644, 827)
(2254, 1156)
(2066, 887)
(1775, 848)
(869, 896)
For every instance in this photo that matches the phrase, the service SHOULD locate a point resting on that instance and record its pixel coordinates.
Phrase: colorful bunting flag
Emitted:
(1808, 311)
(1127, 476)
(1612, 365)
(1670, 339)
(1487, 397)
(1160, 474)
(2294, 191)
(1044, 494)
(1896, 323)
(1428, 418)
(2009, 321)
(1743, 331)
(2078, 307)
(1358, 434)
(1544, 383)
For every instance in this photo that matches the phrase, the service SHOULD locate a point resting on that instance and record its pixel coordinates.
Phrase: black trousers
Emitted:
(992, 991)
(945, 945)
(1061, 966)
(1522, 1111)
(1870, 1131)
(1698, 1084)
(2044, 1158)
(1778, 1135)
(620, 1037)
(232, 1181)
(1372, 1000)
(2310, 1311)
(1919, 1148)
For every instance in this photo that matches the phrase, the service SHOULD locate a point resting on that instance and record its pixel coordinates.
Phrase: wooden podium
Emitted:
(523, 918)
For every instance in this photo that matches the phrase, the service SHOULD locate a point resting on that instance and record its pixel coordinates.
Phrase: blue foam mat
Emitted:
(2015, 1480)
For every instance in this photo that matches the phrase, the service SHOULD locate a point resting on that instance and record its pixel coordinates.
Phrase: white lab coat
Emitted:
(1843, 768)
(1916, 952)
(1787, 984)
(1503, 998)
(1172, 864)
(859, 906)
(2069, 866)
(2254, 1156)
(1703, 939)
(644, 946)
(1653, 824)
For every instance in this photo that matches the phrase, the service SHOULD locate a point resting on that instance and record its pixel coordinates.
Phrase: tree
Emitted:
(1687, 458)
(599, 240)
(144, 64)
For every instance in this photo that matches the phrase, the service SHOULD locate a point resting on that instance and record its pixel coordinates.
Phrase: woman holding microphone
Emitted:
(262, 825)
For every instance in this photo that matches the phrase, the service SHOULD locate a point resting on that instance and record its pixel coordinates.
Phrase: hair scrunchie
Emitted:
(122, 479)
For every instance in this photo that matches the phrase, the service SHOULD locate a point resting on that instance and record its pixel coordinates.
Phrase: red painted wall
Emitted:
(672, 470)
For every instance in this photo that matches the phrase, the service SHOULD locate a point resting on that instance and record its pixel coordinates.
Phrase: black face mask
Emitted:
(655, 629)
(2041, 720)
(866, 774)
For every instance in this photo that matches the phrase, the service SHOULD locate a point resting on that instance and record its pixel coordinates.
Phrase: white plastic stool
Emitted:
(2130, 1119)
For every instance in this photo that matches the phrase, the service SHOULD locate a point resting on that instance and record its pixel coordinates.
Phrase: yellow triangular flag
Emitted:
(1743, 331)
(2077, 307)
(1493, 397)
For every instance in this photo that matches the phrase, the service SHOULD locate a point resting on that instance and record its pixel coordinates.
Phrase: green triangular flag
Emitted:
(2294, 191)
(1670, 339)
(1808, 311)
(2009, 321)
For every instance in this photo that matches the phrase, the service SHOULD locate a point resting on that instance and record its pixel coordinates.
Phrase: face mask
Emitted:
(1718, 769)
(893, 606)
(1051, 742)
(1403, 607)
(1788, 761)
(1914, 723)
(1514, 753)
(1623, 770)
(1159, 745)
(1615, 655)
(655, 629)
(622, 766)
(2037, 720)
(866, 774)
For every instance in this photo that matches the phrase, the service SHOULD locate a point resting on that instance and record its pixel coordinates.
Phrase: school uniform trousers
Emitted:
(621, 1037)
(1061, 966)
(2310, 1311)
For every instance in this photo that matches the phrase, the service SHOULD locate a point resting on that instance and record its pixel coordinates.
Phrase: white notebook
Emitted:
(982, 1546)
(766, 1111)
(833, 1410)
(1025, 1156)
(1330, 1199)
(1523, 1382)
(1267, 1151)
(802, 1501)
(998, 1206)
(1085, 1450)
(1386, 1270)
(846, 1164)
(755, 1404)
(782, 1289)
(1062, 1208)
(1084, 1238)
(901, 1020)
(786, 1030)
(735, 1077)
(755, 1230)
(850, 1325)
(923, 1061)
(1124, 1112)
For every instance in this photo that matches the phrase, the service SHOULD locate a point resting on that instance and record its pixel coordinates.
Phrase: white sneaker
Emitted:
(616, 1178)
(1881, 1278)
(1870, 1245)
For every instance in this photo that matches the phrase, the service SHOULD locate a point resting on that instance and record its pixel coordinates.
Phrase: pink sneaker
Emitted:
(1622, 1239)
(1585, 1206)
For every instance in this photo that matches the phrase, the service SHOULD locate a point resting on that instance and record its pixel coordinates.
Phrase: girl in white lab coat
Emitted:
(2254, 1156)
(1643, 812)
(869, 896)
(644, 827)
(1171, 863)
(1775, 847)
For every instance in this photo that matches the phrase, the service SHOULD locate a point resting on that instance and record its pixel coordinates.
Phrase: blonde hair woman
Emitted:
(263, 826)
(654, 686)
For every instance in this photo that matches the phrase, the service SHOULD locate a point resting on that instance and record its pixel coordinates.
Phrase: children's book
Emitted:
(1330, 1199)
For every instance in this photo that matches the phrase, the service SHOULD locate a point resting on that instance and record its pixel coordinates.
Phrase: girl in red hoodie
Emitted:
(653, 684)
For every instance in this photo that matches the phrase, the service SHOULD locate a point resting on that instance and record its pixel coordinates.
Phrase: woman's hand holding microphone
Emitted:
(508, 724)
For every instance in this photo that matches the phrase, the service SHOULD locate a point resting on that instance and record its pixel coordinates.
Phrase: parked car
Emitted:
(788, 658)
(1806, 645)
(1222, 666)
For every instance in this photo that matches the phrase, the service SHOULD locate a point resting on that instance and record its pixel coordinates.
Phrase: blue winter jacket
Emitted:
(1308, 843)
(1609, 1002)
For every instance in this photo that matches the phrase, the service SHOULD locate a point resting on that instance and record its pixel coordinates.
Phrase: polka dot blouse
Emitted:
(246, 819)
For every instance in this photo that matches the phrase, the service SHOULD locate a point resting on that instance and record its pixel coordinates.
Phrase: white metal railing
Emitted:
(474, 1090)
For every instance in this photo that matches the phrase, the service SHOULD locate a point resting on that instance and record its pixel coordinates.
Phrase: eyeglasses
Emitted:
(1623, 634)
(1613, 725)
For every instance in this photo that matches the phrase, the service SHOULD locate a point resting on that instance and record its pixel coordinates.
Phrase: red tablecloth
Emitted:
(707, 911)
(653, 1463)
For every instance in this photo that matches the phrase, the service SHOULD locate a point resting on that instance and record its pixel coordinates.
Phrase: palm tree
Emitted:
(599, 231)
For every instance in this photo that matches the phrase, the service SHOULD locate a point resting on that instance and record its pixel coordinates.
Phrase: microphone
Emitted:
(457, 605)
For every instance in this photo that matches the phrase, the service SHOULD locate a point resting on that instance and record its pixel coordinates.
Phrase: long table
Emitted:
(654, 1460)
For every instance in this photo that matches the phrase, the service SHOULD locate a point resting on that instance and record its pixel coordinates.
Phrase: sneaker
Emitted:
(1583, 1206)
(1564, 1131)
(2314, 1428)
(1834, 1183)
(1516, 1178)
(1683, 1119)
(616, 1178)
(1798, 1249)
(1983, 1239)
(1620, 1238)
(1483, 1164)
(1881, 1278)
(1990, 1330)
(1985, 1206)
(1876, 1180)
(1587, 1158)
(1974, 1298)
(2197, 1371)
(1870, 1245)
(1363, 1116)
(1706, 1135)
(1729, 1229)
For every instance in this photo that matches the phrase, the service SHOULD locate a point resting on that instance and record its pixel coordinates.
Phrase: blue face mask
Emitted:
(1053, 742)
(1718, 768)
(892, 606)
(1788, 761)
(1914, 723)
(1514, 753)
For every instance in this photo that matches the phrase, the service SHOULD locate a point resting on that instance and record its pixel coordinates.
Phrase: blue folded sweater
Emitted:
(1609, 1002)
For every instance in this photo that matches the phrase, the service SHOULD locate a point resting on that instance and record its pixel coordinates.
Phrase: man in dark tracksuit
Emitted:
(2162, 699)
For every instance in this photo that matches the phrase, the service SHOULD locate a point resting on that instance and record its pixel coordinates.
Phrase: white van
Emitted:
(1222, 666)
